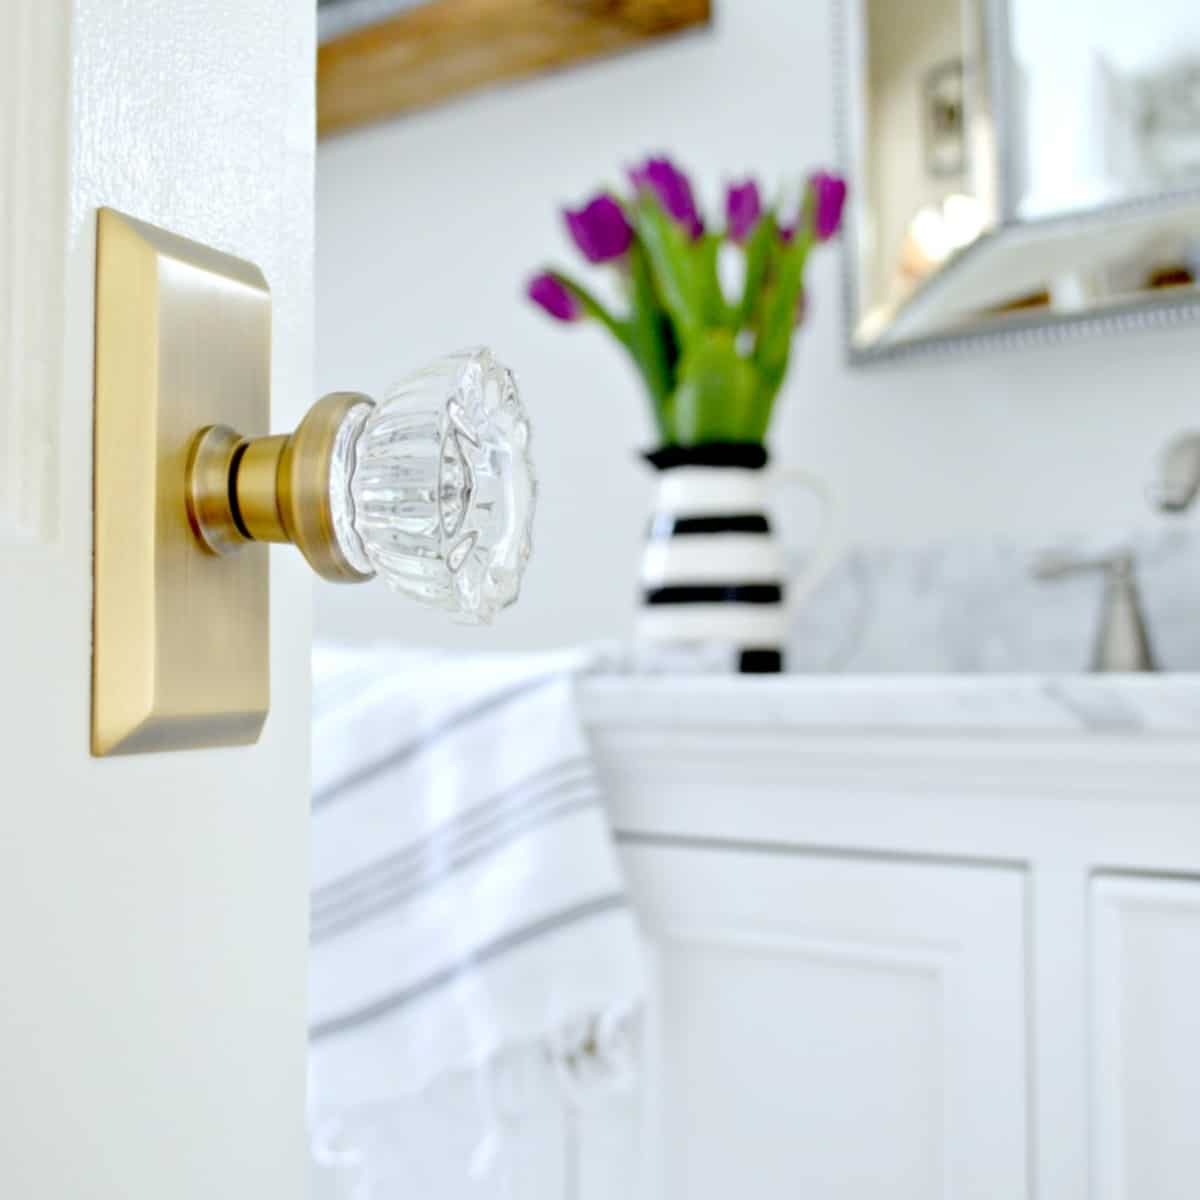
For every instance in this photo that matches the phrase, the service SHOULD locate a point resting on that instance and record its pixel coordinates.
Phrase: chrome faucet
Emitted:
(1122, 642)
(1176, 481)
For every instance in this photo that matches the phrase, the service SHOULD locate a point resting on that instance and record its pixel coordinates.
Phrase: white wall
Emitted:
(428, 227)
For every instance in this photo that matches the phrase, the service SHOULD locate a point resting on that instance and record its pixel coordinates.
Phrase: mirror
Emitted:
(1019, 168)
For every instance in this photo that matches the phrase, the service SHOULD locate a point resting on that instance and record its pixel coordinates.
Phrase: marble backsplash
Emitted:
(971, 607)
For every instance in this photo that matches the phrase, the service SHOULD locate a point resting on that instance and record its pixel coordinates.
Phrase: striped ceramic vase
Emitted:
(713, 572)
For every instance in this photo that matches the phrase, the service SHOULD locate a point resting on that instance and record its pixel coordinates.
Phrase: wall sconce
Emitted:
(431, 489)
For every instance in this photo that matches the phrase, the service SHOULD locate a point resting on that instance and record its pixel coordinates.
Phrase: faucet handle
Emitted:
(1176, 480)
(1055, 565)
(1122, 641)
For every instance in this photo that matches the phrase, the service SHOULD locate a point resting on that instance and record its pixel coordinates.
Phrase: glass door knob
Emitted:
(431, 489)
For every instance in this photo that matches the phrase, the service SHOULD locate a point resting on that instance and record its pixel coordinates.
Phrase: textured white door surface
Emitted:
(847, 1028)
(152, 910)
(1145, 1038)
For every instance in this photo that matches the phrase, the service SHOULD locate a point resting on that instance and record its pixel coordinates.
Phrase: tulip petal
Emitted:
(549, 293)
(829, 199)
(743, 208)
(673, 190)
(600, 229)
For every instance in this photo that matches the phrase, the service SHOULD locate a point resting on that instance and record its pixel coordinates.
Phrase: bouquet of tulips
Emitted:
(712, 362)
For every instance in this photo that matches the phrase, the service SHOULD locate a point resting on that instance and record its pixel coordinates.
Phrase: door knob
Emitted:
(430, 489)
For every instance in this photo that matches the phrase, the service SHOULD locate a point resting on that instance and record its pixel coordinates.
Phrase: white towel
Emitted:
(467, 898)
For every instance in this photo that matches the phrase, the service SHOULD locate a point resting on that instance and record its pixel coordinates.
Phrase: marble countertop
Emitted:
(981, 705)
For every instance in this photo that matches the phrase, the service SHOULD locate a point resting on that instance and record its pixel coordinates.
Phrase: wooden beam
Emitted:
(431, 53)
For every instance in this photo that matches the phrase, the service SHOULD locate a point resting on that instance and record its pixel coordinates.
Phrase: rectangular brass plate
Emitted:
(180, 636)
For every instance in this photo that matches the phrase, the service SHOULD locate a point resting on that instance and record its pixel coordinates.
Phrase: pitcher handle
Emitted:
(828, 539)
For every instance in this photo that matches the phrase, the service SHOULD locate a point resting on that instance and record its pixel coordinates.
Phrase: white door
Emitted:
(832, 1027)
(152, 909)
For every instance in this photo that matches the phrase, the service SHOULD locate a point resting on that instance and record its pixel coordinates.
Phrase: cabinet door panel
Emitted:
(832, 1027)
(1145, 1038)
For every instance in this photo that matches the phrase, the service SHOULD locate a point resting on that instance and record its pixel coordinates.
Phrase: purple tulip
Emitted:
(550, 293)
(829, 198)
(743, 208)
(673, 189)
(600, 229)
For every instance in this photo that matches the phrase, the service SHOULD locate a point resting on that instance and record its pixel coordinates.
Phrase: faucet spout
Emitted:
(1176, 480)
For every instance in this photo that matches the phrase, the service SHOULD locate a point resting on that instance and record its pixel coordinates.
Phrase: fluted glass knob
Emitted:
(432, 488)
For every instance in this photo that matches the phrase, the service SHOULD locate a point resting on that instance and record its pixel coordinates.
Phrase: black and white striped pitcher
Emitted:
(714, 572)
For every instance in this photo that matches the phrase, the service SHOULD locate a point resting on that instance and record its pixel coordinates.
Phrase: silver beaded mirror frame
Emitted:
(1019, 171)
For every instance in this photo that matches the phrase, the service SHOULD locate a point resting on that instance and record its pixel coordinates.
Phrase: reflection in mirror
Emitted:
(1020, 166)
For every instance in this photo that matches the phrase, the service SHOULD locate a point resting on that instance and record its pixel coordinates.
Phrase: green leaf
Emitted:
(715, 400)
(705, 253)
(671, 259)
(645, 334)
(651, 340)
(764, 404)
(779, 311)
(764, 241)
(777, 327)
(593, 308)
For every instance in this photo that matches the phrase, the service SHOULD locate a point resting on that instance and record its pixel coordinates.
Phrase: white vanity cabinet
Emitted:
(912, 938)
(1146, 1015)
(834, 1026)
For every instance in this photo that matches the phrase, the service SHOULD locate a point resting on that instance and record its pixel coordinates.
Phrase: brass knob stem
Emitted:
(271, 489)
(255, 489)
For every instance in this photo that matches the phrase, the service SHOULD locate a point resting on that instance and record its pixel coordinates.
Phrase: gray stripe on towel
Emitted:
(428, 737)
(386, 892)
(474, 822)
(386, 1005)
